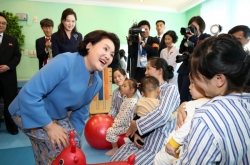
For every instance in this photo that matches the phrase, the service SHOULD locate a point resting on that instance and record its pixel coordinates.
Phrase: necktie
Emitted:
(46, 58)
(159, 38)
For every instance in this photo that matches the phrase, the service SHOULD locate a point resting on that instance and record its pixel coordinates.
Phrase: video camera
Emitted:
(134, 32)
(186, 55)
(190, 28)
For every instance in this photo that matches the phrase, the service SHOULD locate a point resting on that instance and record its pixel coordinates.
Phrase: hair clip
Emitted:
(76, 36)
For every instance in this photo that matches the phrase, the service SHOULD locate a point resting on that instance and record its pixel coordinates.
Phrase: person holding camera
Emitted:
(140, 49)
(193, 35)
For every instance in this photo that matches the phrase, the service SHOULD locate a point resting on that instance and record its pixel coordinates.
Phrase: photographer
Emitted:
(140, 49)
(193, 35)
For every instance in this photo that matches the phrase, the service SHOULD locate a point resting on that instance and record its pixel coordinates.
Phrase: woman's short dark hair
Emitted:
(199, 21)
(160, 63)
(65, 14)
(222, 55)
(172, 34)
(96, 36)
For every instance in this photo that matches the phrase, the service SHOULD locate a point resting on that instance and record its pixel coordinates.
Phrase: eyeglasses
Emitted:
(3, 23)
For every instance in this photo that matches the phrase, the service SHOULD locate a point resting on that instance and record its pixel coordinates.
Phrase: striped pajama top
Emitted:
(220, 132)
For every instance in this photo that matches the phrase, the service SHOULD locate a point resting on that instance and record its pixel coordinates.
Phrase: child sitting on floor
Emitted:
(124, 116)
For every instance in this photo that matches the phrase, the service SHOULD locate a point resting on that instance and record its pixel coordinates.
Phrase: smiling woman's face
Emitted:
(100, 55)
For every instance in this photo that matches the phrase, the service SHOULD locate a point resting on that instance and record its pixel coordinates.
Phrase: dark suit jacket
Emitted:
(40, 50)
(10, 55)
(115, 63)
(70, 45)
(133, 53)
(185, 66)
(162, 45)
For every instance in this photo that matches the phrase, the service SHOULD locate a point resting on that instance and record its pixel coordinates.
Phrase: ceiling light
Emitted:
(141, 0)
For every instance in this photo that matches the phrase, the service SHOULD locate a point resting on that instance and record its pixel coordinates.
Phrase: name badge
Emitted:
(143, 61)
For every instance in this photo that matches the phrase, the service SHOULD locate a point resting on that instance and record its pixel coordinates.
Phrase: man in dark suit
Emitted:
(10, 56)
(160, 27)
(43, 44)
(139, 52)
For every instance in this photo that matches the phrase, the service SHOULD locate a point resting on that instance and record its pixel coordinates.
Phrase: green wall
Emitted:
(89, 18)
(192, 12)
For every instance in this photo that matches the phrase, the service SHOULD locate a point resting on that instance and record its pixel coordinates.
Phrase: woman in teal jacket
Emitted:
(67, 83)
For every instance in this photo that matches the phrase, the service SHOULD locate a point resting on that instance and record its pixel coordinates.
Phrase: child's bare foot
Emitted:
(111, 152)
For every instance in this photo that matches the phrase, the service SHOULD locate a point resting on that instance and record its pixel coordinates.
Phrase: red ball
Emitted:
(121, 140)
(96, 129)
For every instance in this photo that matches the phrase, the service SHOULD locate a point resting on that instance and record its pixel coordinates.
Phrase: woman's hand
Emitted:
(57, 135)
(132, 129)
(190, 35)
(181, 115)
(171, 150)
(136, 139)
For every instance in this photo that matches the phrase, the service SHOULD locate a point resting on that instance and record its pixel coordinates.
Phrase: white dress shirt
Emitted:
(1, 37)
(139, 56)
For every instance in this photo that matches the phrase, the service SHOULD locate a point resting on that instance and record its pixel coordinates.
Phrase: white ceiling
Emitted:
(175, 6)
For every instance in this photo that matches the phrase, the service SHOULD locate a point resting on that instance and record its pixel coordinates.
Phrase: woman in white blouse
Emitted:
(170, 52)
(123, 59)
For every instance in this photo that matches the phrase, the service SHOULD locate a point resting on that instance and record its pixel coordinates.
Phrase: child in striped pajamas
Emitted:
(119, 75)
(220, 129)
(170, 152)
(125, 115)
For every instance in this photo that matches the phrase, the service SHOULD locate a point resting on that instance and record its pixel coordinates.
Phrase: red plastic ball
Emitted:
(96, 129)
(121, 140)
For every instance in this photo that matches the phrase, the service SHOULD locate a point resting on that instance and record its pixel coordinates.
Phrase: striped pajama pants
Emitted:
(144, 156)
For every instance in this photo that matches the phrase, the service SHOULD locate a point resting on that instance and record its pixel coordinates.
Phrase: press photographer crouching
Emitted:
(193, 35)
(140, 49)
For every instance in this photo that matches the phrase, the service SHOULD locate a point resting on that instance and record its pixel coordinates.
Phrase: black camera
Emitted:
(134, 32)
(186, 56)
(190, 28)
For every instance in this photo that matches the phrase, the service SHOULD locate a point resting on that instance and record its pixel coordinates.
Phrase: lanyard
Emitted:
(143, 52)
